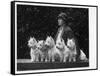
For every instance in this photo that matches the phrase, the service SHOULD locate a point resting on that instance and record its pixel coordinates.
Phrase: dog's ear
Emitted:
(47, 37)
(50, 37)
(37, 41)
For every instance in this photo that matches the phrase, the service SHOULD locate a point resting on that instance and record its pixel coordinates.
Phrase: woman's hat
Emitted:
(64, 16)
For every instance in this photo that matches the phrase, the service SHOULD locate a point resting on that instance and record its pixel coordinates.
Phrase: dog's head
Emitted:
(71, 43)
(32, 42)
(60, 44)
(40, 44)
(49, 42)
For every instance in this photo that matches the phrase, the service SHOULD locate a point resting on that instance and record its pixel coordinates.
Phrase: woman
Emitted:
(66, 32)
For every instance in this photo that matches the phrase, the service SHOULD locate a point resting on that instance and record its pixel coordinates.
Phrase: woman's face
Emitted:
(60, 22)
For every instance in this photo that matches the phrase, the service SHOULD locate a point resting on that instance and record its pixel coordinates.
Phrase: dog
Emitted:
(60, 45)
(42, 50)
(72, 50)
(32, 43)
(53, 53)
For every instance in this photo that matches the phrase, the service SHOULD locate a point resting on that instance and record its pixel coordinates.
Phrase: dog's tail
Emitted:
(83, 56)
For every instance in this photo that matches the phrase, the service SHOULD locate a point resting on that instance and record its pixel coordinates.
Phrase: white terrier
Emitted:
(32, 43)
(53, 53)
(60, 45)
(43, 52)
(72, 50)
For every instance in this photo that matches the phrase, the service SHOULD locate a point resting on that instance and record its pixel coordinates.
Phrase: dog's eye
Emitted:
(59, 43)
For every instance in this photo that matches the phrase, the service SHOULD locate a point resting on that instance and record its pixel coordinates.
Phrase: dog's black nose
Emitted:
(46, 45)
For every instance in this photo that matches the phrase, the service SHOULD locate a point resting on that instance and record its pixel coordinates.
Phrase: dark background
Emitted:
(41, 21)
